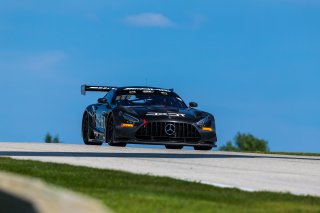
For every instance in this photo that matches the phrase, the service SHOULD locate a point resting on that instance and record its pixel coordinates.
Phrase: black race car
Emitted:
(146, 115)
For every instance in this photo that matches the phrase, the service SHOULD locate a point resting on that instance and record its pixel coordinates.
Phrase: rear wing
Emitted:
(85, 88)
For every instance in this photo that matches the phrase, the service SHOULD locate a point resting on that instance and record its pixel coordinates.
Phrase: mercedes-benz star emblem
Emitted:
(170, 129)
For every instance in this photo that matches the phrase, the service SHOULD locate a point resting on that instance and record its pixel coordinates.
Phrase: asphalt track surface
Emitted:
(252, 172)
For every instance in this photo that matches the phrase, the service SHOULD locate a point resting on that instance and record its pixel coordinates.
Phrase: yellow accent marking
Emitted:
(127, 125)
(207, 129)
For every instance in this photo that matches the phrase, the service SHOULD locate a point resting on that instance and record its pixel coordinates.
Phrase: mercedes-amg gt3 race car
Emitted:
(146, 115)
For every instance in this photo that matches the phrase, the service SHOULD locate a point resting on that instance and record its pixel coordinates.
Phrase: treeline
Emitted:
(50, 139)
(246, 143)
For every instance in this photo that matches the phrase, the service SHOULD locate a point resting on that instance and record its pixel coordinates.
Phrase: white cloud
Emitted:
(149, 20)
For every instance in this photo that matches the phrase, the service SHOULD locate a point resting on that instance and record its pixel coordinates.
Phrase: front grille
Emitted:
(156, 131)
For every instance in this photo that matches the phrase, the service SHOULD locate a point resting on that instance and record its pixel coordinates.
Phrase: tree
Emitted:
(246, 143)
(228, 147)
(48, 139)
(56, 139)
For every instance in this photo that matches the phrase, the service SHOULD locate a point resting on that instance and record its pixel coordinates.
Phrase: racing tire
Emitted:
(86, 132)
(110, 134)
(173, 146)
(205, 148)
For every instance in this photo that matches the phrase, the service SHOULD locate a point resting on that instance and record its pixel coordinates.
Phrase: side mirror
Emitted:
(193, 104)
(102, 100)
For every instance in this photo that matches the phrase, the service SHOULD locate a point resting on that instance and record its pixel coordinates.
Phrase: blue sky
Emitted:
(254, 64)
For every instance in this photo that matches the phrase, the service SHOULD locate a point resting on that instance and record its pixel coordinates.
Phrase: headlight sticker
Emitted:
(130, 118)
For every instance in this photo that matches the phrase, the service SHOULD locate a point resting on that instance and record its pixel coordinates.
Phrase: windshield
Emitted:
(148, 98)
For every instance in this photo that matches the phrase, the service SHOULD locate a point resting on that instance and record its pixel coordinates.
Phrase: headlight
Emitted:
(204, 122)
(130, 118)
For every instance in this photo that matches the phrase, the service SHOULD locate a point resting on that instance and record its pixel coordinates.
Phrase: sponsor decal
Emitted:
(164, 93)
(102, 88)
(147, 89)
(99, 87)
(169, 114)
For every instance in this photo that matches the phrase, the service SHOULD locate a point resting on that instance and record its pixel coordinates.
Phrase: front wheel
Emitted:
(110, 134)
(199, 147)
(173, 146)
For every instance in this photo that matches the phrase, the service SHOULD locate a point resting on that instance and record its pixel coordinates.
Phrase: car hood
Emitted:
(165, 113)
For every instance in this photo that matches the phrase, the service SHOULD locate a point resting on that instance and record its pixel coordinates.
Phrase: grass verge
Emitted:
(126, 192)
(295, 153)
(278, 153)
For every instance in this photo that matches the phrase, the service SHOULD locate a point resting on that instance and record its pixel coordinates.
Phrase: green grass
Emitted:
(279, 153)
(295, 153)
(126, 192)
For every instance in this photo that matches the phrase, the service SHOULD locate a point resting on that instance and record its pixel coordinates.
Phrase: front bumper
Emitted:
(129, 135)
